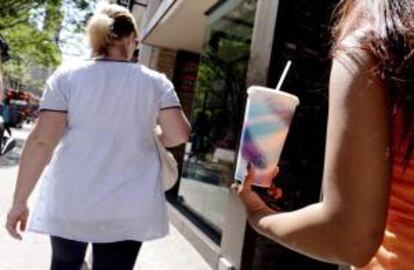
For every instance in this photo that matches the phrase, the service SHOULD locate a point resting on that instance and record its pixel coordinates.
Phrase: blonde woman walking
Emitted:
(93, 148)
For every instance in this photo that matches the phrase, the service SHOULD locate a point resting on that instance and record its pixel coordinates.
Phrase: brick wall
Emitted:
(166, 62)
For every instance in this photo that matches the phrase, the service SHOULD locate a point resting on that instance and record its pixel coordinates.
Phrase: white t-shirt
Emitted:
(103, 183)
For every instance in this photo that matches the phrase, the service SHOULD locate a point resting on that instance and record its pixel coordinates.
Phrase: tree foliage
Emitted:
(32, 28)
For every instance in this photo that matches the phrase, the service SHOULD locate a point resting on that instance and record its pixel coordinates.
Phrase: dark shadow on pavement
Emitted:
(13, 157)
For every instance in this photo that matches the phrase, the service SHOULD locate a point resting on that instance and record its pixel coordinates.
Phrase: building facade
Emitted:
(212, 50)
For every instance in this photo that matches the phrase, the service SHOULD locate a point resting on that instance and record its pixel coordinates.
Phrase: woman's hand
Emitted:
(17, 217)
(255, 206)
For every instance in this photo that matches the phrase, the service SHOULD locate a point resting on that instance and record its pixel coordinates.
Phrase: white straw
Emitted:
(283, 77)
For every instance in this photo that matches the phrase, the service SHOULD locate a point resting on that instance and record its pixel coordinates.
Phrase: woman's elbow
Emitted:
(179, 138)
(183, 137)
(362, 247)
(186, 133)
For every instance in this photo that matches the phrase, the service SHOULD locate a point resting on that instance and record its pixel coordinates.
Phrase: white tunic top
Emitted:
(103, 183)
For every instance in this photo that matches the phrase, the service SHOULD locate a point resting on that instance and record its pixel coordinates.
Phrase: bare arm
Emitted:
(37, 152)
(348, 225)
(175, 127)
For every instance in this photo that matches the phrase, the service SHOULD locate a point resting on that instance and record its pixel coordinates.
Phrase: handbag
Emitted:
(169, 168)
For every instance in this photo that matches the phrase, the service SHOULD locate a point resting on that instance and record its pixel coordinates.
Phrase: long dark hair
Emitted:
(390, 39)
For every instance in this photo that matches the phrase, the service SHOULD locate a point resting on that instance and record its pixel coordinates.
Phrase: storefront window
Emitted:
(217, 112)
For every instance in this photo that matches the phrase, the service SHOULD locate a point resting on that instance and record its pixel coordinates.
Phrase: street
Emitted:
(33, 253)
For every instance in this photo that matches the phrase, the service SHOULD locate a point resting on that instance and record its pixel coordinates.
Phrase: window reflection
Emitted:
(217, 113)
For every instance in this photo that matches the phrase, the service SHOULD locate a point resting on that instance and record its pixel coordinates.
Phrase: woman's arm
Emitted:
(348, 225)
(37, 152)
(175, 128)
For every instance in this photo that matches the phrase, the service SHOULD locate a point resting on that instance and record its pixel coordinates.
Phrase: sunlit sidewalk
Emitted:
(170, 253)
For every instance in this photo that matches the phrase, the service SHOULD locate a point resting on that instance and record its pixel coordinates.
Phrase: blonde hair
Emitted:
(111, 23)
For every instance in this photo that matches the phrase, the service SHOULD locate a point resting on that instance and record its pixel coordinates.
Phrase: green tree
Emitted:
(32, 28)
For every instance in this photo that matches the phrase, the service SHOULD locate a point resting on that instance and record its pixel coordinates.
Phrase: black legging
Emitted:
(69, 254)
(7, 128)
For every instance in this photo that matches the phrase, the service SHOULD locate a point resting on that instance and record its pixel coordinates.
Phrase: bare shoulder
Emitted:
(352, 55)
(354, 76)
(357, 62)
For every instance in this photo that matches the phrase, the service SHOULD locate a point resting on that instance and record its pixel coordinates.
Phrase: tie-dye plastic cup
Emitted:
(266, 124)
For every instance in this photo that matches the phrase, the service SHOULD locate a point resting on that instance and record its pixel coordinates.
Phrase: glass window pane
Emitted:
(217, 114)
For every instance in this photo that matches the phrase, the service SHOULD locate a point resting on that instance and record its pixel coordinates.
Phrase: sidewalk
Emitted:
(170, 253)
(33, 253)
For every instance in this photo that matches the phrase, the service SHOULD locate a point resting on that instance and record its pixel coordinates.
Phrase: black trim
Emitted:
(51, 110)
(138, 4)
(238, 21)
(214, 7)
(171, 107)
(110, 60)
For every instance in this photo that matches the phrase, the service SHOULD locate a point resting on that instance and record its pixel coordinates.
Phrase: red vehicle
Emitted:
(23, 106)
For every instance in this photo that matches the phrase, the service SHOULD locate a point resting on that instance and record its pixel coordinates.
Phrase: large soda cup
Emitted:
(266, 124)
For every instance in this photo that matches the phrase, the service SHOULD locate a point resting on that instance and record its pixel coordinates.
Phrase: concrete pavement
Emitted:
(33, 253)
